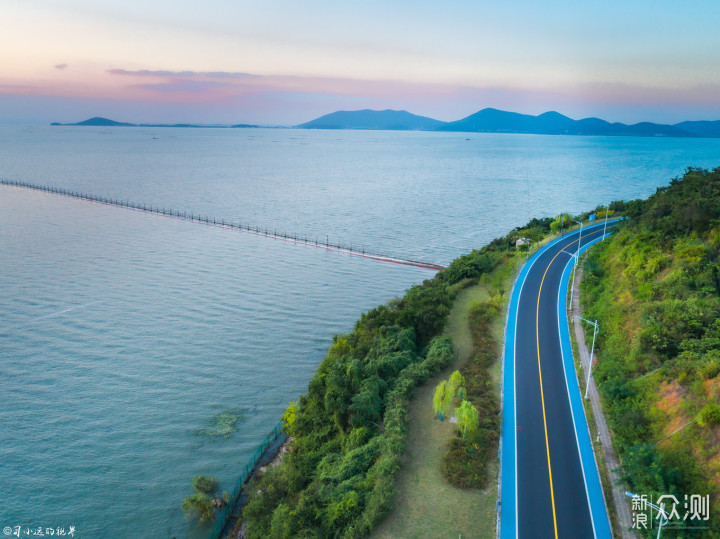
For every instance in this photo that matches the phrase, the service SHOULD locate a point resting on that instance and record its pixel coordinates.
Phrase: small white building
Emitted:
(522, 241)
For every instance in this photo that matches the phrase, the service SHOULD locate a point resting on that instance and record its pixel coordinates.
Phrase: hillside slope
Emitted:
(655, 290)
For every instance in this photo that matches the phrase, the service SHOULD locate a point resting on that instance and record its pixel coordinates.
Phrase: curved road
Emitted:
(550, 483)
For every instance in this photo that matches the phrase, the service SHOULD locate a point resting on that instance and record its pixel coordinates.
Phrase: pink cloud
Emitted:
(294, 99)
(203, 86)
(162, 73)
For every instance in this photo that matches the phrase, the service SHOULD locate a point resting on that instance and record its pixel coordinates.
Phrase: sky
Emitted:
(284, 62)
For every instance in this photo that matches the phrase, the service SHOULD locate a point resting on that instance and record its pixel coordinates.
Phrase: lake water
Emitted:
(123, 333)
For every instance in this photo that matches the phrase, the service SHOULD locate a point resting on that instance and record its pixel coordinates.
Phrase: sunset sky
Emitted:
(286, 62)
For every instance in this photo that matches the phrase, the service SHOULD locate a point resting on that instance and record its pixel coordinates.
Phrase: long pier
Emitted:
(228, 224)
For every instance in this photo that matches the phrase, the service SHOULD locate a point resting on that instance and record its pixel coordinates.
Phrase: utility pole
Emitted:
(592, 351)
(577, 255)
(607, 209)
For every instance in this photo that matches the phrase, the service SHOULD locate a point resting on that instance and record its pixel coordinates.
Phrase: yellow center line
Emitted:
(542, 394)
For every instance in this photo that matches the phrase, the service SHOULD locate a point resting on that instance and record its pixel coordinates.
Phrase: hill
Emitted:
(491, 120)
(654, 288)
(488, 120)
(500, 121)
(393, 120)
(99, 122)
(701, 129)
(105, 122)
(596, 126)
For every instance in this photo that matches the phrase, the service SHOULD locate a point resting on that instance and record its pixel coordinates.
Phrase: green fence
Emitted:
(224, 516)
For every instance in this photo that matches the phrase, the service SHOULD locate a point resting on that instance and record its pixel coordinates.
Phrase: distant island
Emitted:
(499, 121)
(105, 122)
(484, 121)
(390, 120)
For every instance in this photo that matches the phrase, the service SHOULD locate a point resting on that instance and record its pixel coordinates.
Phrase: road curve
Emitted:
(550, 484)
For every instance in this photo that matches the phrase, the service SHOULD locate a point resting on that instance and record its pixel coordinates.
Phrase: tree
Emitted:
(289, 417)
(440, 399)
(456, 380)
(468, 418)
(562, 221)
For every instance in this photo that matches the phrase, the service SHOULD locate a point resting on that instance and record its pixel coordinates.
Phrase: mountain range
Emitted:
(484, 121)
(500, 121)
(104, 122)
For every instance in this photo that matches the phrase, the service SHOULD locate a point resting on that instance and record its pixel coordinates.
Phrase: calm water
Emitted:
(123, 333)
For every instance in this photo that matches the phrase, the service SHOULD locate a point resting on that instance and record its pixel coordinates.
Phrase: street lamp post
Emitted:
(572, 286)
(607, 209)
(592, 351)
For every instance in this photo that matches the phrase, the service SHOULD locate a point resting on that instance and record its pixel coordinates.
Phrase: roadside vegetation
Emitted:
(465, 463)
(350, 428)
(654, 288)
(425, 504)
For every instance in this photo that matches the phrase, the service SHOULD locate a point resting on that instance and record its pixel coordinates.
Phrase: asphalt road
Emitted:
(552, 496)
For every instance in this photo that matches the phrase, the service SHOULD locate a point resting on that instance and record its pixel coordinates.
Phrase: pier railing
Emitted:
(229, 224)
(247, 474)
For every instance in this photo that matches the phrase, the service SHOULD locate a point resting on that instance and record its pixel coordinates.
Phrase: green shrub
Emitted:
(201, 505)
(709, 416)
(206, 484)
(463, 465)
(710, 370)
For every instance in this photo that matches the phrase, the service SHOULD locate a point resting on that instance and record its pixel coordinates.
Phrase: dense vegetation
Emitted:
(465, 462)
(655, 290)
(203, 501)
(349, 429)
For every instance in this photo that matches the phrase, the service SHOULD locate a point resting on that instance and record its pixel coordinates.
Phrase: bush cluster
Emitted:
(200, 503)
(464, 464)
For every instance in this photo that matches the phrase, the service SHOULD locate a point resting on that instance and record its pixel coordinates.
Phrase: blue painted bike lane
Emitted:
(596, 500)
